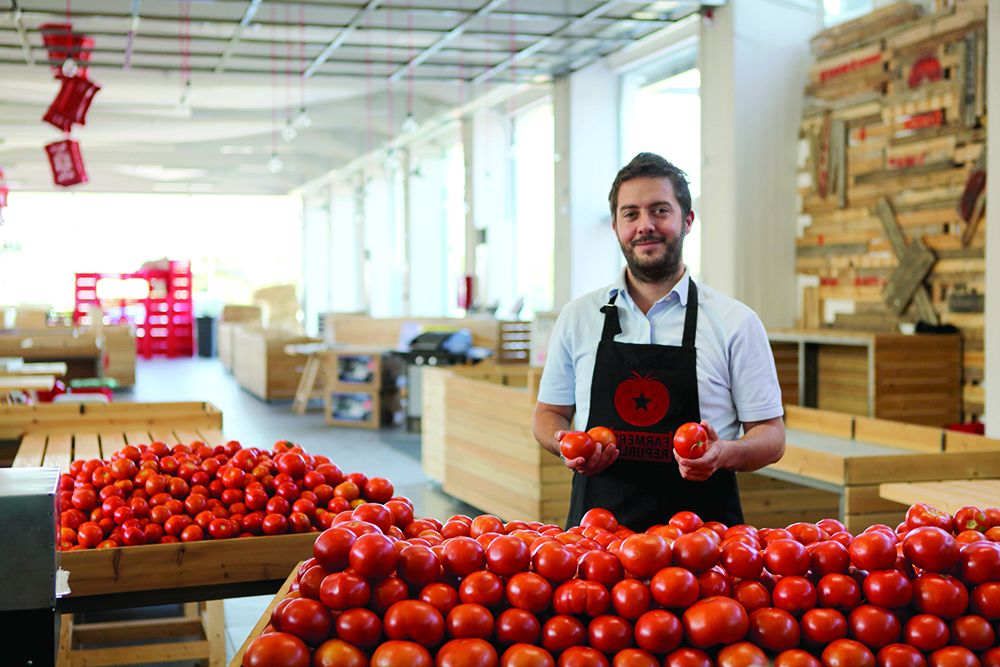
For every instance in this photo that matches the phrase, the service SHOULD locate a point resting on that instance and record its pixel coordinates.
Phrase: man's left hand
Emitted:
(701, 468)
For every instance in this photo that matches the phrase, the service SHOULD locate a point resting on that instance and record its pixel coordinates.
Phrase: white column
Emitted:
(992, 370)
(753, 56)
(586, 111)
(316, 265)
(430, 295)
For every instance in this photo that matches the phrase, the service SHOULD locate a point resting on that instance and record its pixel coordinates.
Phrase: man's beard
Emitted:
(654, 270)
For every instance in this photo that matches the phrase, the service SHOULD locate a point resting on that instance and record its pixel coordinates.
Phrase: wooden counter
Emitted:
(851, 457)
(261, 365)
(477, 442)
(908, 378)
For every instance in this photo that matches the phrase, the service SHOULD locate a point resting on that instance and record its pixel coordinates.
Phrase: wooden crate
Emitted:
(78, 348)
(118, 355)
(265, 618)
(482, 444)
(62, 418)
(359, 385)
(851, 456)
(225, 334)
(261, 365)
(914, 379)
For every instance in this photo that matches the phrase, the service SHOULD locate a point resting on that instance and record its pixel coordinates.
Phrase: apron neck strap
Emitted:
(691, 315)
(612, 327)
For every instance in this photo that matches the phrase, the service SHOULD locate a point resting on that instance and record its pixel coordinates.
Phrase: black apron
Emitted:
(644, 392)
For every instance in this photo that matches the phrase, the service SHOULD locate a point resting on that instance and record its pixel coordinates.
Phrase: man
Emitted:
(654, 351)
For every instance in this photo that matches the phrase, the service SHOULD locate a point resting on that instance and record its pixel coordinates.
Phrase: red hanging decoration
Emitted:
(63, 44)
(66, 163)
(71, 103)
(4, 191)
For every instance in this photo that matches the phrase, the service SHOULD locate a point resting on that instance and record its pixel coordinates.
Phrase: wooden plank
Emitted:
(58, 453)
(948, 497)
(459, 403)
(162, 566)
(819, 421)
(488, 497)
(166, 435)
(188, 437)
(858, 523)
(921, 467)
(957, 441)
(111, 443)
(136, 630)
(31, 453)
(514, 397)
(136, 438)
(866, 498)
(784, 519)
(265, 618)
(128, 655)
(213, 618)
(896, 434)
(86, 446)
(788, 500)
(809, 464)
(212, 436)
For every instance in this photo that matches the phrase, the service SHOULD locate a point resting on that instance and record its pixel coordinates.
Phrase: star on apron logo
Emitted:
(641, 400)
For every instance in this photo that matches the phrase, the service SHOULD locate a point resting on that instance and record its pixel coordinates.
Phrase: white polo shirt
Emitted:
(737, 381)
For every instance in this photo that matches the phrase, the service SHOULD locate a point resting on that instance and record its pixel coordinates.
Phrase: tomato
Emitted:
(838, 591)
(674, 587)
(577, 444)
(516, 626)
(414, 620)
(940, 594)
(307, 619)
(600, 566)
(440, 596)
(388, 592)
(469, 620)
(847, 653)
(690, 440)
(695, 551)
(631, 598)
(658, 631)
(418, 565)
(819, 627)
(828, 556)
(526, 655)
(979, 563)
(395, 653)
(688, 657)
(926, 632)
(508, 555)
(794, 594)
(873, 626)
(555, 562)
(342, 590)
(899, 655)
(529, 591)
(634, 657)
(462, 556)
(874, 550)
(582, 656)
(339, 653)
(609, 634)
(483, 588)
(643, 555)
(562, 631)
(971, 518)
(973, 632)
(922, 514)
(931, 548)
(602, 435)
(786, 557)
(773, 629)
(686, 521)
(741, 560)
(796, 658)
(990, 658)
(888, 588)
(716, 620)
(579, 596)
(985, 600)
(359, 626)
(741, 654)
(277, 648)
(952, 656)
(752, 595)
(373, 556)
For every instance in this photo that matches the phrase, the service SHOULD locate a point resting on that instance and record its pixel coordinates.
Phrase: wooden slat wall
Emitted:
(914, 139)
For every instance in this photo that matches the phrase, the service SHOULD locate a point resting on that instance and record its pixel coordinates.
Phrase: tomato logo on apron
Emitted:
(641, 401)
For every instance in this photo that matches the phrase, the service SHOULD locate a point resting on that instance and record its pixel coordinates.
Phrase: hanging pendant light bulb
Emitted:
(288, 132)
(410, 125)
(274, 165)
(70, 68)
(302, 121)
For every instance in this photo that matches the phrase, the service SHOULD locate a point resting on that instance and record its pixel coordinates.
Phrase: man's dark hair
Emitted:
(651, 165)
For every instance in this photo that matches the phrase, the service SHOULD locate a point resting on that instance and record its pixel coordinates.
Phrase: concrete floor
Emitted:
(388, 452)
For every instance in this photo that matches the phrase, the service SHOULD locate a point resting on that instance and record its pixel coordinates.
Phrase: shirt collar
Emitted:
(681, 288)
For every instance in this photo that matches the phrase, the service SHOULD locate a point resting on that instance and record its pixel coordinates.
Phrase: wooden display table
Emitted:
(949, 496)
(477, 441)
(265, 618)
(852, 456)
(908, 378)
(140, 576)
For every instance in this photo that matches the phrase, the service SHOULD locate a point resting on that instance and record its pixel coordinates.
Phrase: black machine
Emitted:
(439, 348)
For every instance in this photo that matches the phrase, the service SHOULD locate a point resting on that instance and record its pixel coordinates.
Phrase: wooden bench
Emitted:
(850, 457)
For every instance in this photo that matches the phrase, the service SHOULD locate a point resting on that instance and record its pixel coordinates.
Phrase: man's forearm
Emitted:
(545, 425)
(761, 445)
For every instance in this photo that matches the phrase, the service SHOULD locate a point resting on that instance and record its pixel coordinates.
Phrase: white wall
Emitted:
(586, 110)
(753, 56)
(993, 240)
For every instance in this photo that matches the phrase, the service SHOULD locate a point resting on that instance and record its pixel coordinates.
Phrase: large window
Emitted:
(663, 115)
(839, 11)
(235, 244)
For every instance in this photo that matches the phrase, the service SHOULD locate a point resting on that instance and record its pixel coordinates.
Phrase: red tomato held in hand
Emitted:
(577, 444)
(690, 440)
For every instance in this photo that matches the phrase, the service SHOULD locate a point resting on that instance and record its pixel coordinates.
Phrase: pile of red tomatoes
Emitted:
(387, 590)
(155, 494)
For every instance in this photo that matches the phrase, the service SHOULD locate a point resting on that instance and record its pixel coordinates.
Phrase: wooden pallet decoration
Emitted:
(915, 262)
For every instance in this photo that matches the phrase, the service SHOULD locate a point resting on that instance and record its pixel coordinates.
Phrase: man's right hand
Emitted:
(598, 461)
